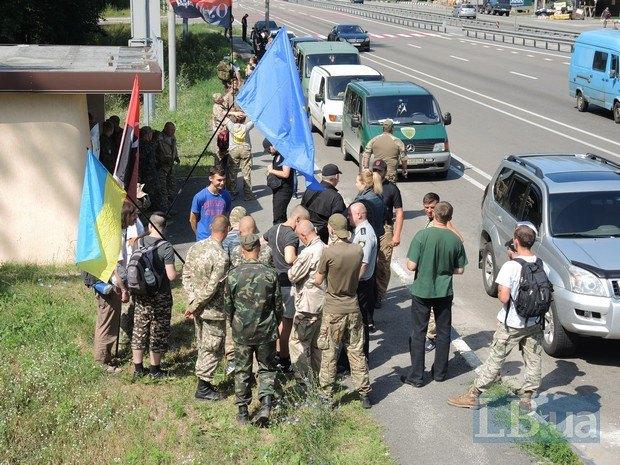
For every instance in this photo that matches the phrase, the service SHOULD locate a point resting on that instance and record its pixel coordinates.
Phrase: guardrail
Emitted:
(526, 39)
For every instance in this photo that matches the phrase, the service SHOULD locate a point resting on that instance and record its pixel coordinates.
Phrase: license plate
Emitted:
(416, 161)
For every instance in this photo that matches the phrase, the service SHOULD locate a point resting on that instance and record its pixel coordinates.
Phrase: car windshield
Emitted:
(350, 29)
(403, 109)
(336, 85)
(331, 59)
(585, 214)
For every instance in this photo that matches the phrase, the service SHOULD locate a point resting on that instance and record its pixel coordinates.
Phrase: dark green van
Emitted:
(418, 122)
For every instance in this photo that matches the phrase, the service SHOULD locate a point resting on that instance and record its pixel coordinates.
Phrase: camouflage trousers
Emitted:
(126, 324)
(265, 356)
(305, 355)
(529, 341)
(210, 335)
(151, 323)
(347, 330)
(229, 345)
(239, 158)
(167, 186)
(384, 261)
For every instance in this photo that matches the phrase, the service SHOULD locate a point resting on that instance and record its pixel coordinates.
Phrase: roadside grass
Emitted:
(541, 440)
(58, 406)
(116, 9)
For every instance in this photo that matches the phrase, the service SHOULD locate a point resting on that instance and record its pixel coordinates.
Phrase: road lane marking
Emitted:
(531, 56)
(486, 46)
(376, 36)
(499, 49)
(548, 59)
(404, 35)
(391, 36)
(458, 58)
(472, 41)
(565, 63)
(414, 46)
(468, 165)
(523, 75)
(467, 178)
(514, 53)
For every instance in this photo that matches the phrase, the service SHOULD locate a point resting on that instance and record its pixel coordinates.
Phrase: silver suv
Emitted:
(574, 200)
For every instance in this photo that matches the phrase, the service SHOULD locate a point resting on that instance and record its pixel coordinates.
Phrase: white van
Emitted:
(326, 93)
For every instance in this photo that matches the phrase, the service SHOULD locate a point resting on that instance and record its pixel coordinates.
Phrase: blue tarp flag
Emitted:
(272, 98)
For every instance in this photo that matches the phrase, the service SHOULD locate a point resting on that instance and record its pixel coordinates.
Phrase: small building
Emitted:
(46, 93)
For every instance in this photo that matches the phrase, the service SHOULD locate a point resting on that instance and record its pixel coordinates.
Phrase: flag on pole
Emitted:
(99, 226)
(216, 12)
(126, 169)
(273, 99)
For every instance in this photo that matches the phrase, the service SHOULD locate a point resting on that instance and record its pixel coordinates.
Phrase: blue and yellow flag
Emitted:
(99, 227)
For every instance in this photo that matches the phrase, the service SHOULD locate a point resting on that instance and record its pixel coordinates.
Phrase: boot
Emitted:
(525, 402)
(243, 417)
(206, 391)
(467, 400)
(262, 417)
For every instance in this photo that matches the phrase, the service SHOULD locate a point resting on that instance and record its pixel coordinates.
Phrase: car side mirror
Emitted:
(447, 119)
(318, 98)
(355, 121)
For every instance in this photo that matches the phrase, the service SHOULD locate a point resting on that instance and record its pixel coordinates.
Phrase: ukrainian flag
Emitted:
(99, 228)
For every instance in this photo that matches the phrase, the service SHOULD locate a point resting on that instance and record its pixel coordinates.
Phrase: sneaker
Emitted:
(467, 400)
(430, 345)
(366, 402)
(405, 380)
(159, 374)
(112, 369)
(230, 368)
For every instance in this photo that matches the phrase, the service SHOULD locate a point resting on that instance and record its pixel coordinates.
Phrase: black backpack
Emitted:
(144, 276)
(535, 291)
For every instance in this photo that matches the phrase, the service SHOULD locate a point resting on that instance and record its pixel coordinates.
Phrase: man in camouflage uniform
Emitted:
(254, 306)
(204, 272)
(247, 225)
(218, 115)
(342, 322)
(166, 156)
(388, 148)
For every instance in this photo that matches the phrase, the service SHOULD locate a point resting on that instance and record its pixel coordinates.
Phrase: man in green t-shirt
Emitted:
(435, 254)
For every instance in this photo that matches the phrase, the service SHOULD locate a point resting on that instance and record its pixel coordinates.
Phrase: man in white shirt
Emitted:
(512, 329)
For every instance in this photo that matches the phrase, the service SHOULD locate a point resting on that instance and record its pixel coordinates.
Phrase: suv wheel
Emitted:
(617, 112)
(489, 270)
(557, 342)
(582, 103)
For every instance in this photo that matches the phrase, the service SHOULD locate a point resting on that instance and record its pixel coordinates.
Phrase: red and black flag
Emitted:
(216, 12)
(126, 170)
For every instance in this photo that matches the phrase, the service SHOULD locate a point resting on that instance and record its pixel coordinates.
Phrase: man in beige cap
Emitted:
(342, 323)
(388, 148)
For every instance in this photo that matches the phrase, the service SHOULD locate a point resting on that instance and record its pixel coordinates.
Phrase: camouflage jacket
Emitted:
(253, 302)
(264, 257)
(203, 279)
(166, 152)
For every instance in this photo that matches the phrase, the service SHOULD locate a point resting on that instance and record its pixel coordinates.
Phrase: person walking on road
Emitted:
(323, 204)
(167, 155)
(244, 27)
(210, 202)
(435, 254)
(388, 148)
(513, 330)
(280, 179)
(370, 193)
(239, 155)
(205, 268)
(605, 15)
(309, 300)
(342, 322)
(365, 237)
(393, 203)
(253, 306)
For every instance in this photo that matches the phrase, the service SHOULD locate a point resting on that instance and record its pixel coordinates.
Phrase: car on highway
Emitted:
(497, 7)
(352, 34)
(313, 54)
(417, 118)
(357, 1)
(326, 95)
(594, 72)
(574, 201)
(464, 10)
(258, 27)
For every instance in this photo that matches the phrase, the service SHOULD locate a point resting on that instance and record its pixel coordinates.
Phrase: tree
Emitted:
(62, 22)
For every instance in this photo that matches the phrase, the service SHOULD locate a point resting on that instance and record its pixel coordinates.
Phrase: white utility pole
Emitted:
(172, 61)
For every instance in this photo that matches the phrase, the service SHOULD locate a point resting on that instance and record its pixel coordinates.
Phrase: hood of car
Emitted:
(602, 253)
(353, 35)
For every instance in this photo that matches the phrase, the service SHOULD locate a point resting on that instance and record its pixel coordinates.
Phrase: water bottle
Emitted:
(103, 288)
(149, 277)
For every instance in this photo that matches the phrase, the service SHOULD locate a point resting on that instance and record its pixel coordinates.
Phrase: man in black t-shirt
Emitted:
(284, 244)
(391, 237)
(152, 315)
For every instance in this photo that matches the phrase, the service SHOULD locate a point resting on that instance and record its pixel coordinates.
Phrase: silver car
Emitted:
(465, 10)
(574, 200)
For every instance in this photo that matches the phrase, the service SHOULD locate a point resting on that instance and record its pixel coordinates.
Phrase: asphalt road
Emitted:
(503, 99)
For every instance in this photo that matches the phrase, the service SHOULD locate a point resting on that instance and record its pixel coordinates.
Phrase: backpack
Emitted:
(143, 276)
(222, 139)
(535, 291)
(224, 71)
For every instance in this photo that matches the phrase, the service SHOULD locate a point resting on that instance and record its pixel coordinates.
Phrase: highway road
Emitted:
(503, 100)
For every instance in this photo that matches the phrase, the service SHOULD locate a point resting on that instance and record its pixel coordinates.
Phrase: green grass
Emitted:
(58, 406)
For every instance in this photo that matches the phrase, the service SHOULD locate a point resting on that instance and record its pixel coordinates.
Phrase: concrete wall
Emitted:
(43, 140)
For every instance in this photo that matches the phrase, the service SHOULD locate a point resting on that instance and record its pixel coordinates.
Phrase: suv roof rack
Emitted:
(606, 161)
(526, 164)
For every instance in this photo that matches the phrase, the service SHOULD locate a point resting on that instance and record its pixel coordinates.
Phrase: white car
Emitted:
(465, 10)
(326, 93)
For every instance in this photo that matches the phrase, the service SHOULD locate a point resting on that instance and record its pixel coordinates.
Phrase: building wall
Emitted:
(43, 140)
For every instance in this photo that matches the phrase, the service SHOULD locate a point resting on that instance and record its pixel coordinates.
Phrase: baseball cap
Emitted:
(236, 214)
(379, 165)
(249, 241)
(330, 170)
(339, 224)
(266, 145)
(388, 124)
(529, 225)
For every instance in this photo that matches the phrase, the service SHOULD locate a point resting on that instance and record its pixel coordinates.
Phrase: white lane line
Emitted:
(530, 56)
(486, 46)
(404, 35)
(391, 36)
(507, 47)
(523, 75)
(467, 178)
(376, 36)
(471, 167)
(458, 58)
(514, 53)
(548, 59)
(565, 63)
(462, 41)
(499, 49)
(414, 46)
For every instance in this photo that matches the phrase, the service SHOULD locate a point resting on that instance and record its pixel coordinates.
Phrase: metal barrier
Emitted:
(525, 38)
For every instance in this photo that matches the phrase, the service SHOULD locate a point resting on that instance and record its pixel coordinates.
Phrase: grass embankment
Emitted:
(58, 406)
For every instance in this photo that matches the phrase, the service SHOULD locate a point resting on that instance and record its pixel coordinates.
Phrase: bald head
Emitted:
(357, 213)
(297, 214)
(220, 227)
(247, 225)
(305, 231)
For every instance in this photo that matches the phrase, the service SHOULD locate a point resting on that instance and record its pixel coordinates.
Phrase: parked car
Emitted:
(295, 41)
(497, 7)
(574, 201)
(352, 34)
(291, 35)
(418, 122)
(326, 95)
(465, 10)
(594, 72)
(357, 1)
(258, 27)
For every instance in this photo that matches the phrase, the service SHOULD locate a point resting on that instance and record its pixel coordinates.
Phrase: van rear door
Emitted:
(612, 88)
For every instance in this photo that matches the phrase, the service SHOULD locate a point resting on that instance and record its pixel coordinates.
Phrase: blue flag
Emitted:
(273, 100)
